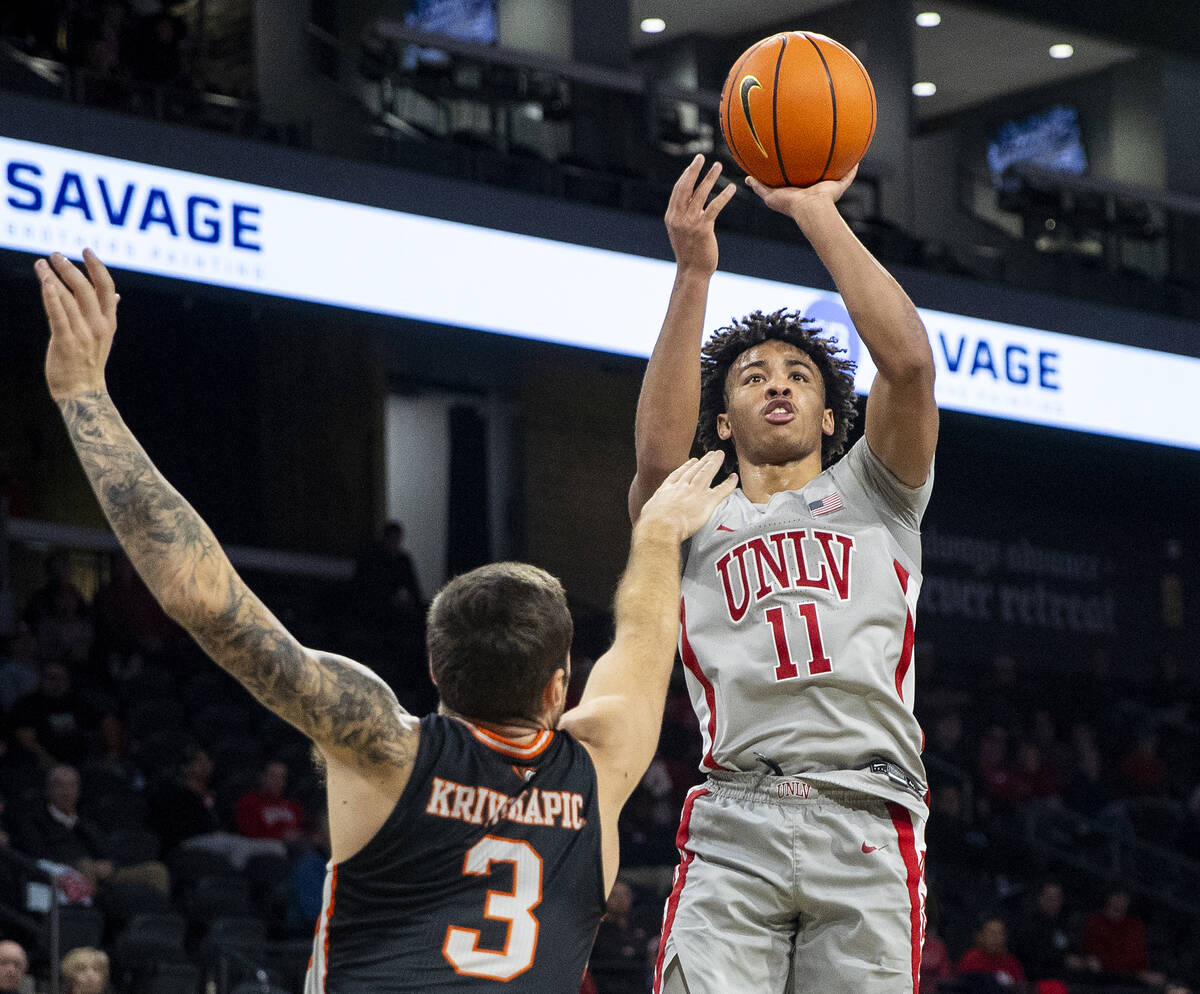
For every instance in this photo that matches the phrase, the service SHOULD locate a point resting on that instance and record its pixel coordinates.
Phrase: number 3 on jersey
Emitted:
(818, 662)
(515, 907)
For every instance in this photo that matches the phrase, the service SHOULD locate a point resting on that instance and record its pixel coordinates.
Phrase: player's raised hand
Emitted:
(82, 312)
(691, 216)
(686, 498)
(791, 200)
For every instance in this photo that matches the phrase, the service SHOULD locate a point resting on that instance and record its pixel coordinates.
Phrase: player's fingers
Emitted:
(725, 487)
(705, 186)
(63, 275)
(710, 465)
(717, 204)
(680, 472)
(687, 179)
(106, 290)
(52, 294)
(83, 304)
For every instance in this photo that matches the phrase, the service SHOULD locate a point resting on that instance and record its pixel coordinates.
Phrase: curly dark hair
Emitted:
(726, 344)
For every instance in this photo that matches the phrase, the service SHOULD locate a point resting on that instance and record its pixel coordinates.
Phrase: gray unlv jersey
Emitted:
(797, 630)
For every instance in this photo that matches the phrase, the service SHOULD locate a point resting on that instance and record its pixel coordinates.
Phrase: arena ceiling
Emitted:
(976, 53)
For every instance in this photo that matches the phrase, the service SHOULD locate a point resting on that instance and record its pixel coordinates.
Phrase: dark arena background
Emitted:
(286, 364)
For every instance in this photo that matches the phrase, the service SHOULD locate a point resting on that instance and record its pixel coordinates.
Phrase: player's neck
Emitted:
(761, 481)
(515, 729)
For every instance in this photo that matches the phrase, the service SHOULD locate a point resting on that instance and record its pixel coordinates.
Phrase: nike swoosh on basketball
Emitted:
(750, 83)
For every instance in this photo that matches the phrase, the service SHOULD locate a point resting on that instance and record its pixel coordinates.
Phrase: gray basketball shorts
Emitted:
(788, 887)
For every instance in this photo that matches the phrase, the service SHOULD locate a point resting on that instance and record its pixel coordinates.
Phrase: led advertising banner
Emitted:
(220, 232)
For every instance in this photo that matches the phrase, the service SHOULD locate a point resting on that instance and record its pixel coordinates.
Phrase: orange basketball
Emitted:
(797, 108)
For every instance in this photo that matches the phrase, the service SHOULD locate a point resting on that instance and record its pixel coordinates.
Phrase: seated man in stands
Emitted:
(56, 832)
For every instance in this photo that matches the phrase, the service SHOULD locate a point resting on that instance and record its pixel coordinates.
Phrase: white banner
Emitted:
(195, 227)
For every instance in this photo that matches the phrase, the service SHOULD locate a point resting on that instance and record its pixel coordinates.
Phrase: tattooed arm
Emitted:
(351, 714)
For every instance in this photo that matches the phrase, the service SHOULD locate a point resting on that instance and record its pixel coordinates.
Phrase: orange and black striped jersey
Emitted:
(486, 876)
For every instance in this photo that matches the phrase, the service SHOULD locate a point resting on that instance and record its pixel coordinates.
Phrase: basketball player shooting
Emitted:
(801, 855)
(472, 850)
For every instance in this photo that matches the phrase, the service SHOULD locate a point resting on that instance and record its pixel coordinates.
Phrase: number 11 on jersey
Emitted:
(786, 668)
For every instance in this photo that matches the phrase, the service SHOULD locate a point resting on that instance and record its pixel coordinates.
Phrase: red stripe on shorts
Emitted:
(328, 918)
(902, 821)
(710, 697)
(685, 860)
(906, 652)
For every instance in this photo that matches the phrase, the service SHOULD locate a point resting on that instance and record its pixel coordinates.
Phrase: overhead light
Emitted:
(925, 89)
(929, 19)
(1062, 51)
(653, 25)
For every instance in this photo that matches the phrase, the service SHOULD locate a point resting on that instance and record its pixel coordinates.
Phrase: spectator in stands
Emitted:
(992, 762)
(57, 611)
(57, 715)
(1142, 771)
(385, 579)
(55, 831)
(951, 840)
(265, 813)
(19, 668)
(184, 812)
(85, 971)
(1030, 778)
(1117, 940)
(618, 961)
(14, 965)
(989, 956)
(936, 964)
(1042, 938)
(944, 752)
(129, 621)
(112, 757)
(1089, 786)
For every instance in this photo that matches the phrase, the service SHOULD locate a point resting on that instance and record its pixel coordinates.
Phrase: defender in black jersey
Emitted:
(471, 850)
(493, 852)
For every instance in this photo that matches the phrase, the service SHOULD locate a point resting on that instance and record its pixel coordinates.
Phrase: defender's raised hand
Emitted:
(685, 499)
(691, 215)
(82, 311)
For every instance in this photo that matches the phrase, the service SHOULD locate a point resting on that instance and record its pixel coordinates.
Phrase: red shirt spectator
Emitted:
(1116, 938)
(936, 964)
(265, 813)
(990, 955)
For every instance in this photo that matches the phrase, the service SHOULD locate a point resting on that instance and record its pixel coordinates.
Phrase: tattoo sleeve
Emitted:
(339, 704)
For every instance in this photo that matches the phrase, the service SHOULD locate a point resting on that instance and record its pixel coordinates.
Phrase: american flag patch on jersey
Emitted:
(826, 505)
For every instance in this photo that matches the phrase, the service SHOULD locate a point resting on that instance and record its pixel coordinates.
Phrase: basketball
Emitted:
(797, 108)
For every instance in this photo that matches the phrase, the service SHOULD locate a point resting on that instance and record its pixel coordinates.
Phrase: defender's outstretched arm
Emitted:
(342, 706)
(669, 402)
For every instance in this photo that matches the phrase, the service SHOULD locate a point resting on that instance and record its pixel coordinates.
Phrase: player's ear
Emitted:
(828, 424)
(431, 674)
(724, 429)
(554, 694)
